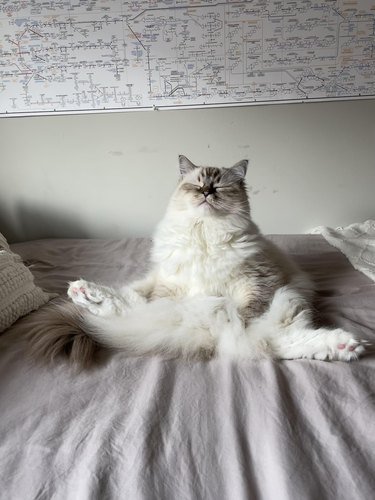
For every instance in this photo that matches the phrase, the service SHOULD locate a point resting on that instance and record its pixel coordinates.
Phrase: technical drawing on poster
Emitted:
(78, 55)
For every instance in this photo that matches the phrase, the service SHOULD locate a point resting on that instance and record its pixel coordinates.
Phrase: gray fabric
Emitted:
(18, 293)
(149, 429)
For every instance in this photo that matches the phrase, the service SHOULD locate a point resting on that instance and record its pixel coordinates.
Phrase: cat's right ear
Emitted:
(185, 165)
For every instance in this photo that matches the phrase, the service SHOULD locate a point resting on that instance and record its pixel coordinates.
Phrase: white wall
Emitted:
(110, 175)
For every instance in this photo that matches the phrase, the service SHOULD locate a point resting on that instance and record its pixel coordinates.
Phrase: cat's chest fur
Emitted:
(201, 257)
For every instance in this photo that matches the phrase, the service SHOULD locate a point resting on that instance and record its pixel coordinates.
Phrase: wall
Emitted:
(110, 175)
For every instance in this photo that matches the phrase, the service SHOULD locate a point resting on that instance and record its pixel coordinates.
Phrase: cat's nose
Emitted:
(206, 190)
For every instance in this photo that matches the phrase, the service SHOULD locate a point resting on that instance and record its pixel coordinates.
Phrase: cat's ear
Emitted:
(240, 169)
(185, 165)
(237, 172)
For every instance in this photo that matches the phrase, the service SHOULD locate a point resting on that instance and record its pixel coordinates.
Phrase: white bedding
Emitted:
(356, 242)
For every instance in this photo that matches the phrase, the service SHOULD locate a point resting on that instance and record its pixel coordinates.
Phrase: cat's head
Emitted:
(212, 190)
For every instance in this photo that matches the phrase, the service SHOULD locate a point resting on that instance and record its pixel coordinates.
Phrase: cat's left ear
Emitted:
(237, 172)
(186, 165)
(240, 169)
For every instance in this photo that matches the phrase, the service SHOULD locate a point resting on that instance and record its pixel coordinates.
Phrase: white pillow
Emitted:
(18, 293)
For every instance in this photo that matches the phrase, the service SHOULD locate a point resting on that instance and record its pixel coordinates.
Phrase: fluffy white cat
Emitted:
(216, 287)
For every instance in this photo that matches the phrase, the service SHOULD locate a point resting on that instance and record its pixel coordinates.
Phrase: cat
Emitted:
(216, 287)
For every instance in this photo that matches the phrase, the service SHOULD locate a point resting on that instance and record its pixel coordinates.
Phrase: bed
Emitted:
(147, 428)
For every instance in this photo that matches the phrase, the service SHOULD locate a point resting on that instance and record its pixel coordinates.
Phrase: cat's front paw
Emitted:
(99, 300)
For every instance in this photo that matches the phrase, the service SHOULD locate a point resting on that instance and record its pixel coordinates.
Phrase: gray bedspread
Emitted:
(147, 428)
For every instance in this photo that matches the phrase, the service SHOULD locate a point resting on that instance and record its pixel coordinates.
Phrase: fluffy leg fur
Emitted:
(187, 328)
(318, 343)
(289, 332)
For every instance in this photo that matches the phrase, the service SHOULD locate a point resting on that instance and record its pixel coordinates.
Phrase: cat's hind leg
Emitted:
(289, 329)
(320, 343)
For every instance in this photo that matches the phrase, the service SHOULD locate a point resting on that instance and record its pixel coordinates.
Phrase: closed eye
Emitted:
(191, 187)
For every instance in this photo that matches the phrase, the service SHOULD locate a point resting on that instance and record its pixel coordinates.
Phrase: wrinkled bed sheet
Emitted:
(147, 428)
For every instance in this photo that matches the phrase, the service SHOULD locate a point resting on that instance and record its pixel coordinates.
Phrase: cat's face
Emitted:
(212, 190)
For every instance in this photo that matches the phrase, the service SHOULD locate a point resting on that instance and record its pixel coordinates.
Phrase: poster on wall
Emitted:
(89, 55)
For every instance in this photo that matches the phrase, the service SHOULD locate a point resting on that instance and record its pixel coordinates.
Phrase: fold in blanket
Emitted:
(356, 242)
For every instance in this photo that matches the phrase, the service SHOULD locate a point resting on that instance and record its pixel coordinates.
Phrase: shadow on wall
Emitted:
(37, 222)
(6, 225)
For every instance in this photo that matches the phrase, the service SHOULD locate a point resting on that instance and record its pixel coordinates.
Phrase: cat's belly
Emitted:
(198, 276)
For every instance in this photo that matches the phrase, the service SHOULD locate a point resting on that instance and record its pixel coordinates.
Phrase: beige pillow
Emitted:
(18, 293)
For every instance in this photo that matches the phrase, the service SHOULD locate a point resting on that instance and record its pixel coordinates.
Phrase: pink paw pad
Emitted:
(342, 346)
(77, 290)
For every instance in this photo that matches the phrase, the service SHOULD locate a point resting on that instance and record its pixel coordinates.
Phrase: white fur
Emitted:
(190, 300)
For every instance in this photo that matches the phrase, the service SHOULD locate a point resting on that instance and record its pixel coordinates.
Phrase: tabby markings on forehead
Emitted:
(212, 172)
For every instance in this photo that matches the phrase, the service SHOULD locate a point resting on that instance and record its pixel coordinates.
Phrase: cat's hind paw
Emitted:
(99, 300)
(84, 293)
(342, 347)
(351, 349)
